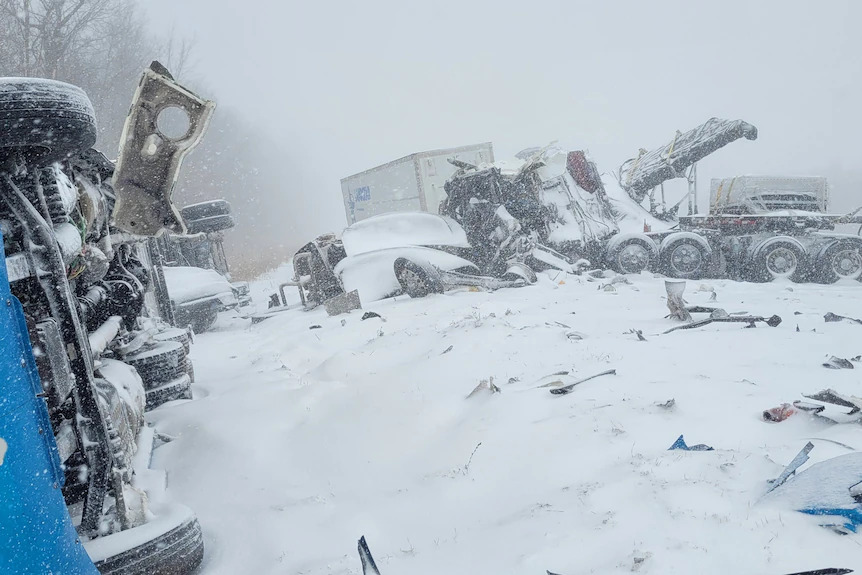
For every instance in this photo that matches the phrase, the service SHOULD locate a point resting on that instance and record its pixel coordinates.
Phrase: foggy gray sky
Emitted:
(344, 86)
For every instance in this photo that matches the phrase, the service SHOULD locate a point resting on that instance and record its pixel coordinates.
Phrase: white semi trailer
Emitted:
(413, 183)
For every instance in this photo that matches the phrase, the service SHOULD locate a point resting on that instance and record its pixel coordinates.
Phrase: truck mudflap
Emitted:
(164, 123)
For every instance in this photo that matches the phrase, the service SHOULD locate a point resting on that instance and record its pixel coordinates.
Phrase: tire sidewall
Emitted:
(667, 252)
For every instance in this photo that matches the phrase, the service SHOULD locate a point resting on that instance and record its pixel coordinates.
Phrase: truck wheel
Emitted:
(178, 551)
(46, 120)
(632, 255)
(684, 257)
(776, 258)
(842, 259)
(416, 280)
(205, 210)
(203, 320)
(210, 224)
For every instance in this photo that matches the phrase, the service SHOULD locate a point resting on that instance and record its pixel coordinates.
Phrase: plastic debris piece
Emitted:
(837, 363)
(568, 388)
(484, 385)
(791, 468)
(368, 565)
(831, 317)
(780, 413)
(681, 445)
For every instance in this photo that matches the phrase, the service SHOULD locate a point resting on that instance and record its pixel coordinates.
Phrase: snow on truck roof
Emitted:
(413, 156)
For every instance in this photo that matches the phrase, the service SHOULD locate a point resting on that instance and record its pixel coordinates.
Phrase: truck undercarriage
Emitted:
(96, 312)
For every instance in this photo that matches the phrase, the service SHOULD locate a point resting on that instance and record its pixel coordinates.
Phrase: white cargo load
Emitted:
(413, 183)
(765, 194)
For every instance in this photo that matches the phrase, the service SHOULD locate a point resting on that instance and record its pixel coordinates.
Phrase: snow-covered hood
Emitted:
(190, 284)
(402, 229)
(372, 274)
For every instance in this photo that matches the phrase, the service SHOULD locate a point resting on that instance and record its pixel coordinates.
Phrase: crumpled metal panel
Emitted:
(640, 175)
(149, 159)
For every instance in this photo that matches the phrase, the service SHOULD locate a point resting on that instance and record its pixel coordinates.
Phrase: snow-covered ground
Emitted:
(302, 440)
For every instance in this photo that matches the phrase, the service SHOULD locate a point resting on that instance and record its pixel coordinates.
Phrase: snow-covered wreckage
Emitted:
(417, 254)
(757, 228)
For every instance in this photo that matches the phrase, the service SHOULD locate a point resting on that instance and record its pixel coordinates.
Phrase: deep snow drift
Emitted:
(302, 440)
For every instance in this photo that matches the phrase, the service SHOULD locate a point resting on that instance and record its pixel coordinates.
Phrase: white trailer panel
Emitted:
(413, 183)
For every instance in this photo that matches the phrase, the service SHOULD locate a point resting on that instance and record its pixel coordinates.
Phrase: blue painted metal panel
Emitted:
(36, 532)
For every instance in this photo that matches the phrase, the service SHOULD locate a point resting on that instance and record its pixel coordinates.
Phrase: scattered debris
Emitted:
(838, 363)
(638, 333)
(791, 468)
(825, 489)
(835, 398)
(513, 380)
(575, 336)
(447, 350)
(368, 565)
(484, 385)
(780, 413)
(639, 559)
(831, 317)
(669, 404)
(675, 303)
(809, 407)
(857, 358)
(470, 460)
(827, 571)
(316, 327)
(609, 286)
(370, 314)
(343, 303)
(555, 383)
(773, 321)
(681, 445)
(568, 388)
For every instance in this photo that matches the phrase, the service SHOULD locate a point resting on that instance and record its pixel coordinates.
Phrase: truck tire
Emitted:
(210, 224)
(840, 259)
(46, 120)
(205, 210)
(631, 254)
(777, 258)
(684, 256)
(177, 552)
(417, 280)
(203, 320)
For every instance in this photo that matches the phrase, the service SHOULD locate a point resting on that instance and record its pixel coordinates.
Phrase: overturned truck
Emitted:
(88, 323)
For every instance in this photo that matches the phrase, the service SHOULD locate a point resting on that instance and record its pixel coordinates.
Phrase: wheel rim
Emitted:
(633, 259)
(686, 259)
(781, 262)
(847, 264)
(412, 281)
